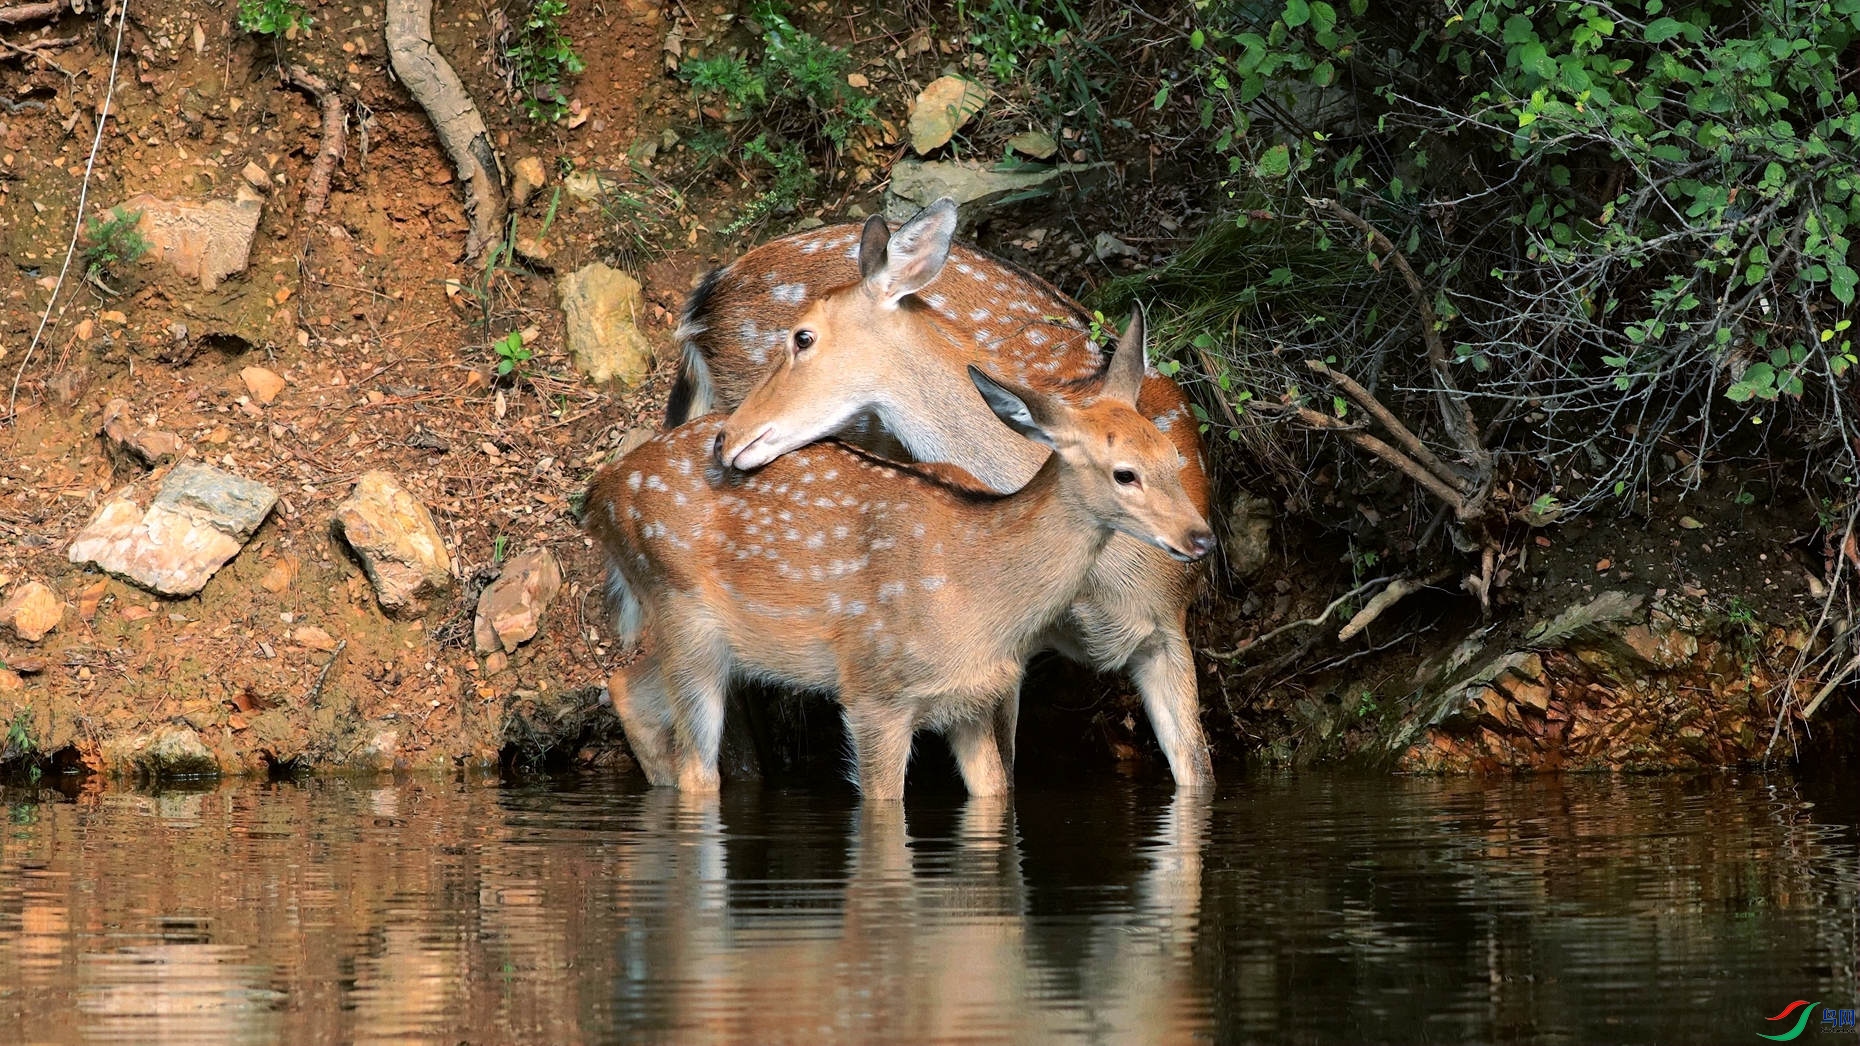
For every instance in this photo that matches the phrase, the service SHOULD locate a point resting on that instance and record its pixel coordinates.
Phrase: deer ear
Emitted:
(1123, 376)
(915, 254)
(1012, 407)
(872, 240)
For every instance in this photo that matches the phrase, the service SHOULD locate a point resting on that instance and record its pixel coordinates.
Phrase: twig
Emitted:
(35, 49)
(1403, 435)
(1386, 598)
(1464, 428)
(316, 691)
(1380, 449)
(1310, 622)
(1846, 673)
(335, 135)
(18, 13)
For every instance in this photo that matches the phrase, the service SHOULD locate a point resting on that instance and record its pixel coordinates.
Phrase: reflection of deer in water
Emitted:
(919, 948)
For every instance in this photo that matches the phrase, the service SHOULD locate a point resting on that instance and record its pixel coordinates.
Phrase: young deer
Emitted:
(921, 311)
(915, 598)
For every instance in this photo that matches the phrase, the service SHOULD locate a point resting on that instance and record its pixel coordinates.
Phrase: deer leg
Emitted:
(979, 755)
(639, 699)
(1164, 671)
(882, 746)
(1006, 723)
(699, 669)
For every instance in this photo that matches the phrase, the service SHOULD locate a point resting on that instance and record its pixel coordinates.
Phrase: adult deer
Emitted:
(914, 597)
(924, 310)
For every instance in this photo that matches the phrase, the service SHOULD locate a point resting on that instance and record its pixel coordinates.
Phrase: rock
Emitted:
(280, 576)
(255, 175)
(511, 608)
(941, 110)
(32, 611)
(205, 241)
(495, 662)
(199, 520)
(264, 384)
(631, 441)
(1034, 144)
(1249, 537)
(314, 638)
(915, 184)
(602, 307)
(591, 186)
(133, 443)
(398, 543)
(169, 753)
(1109, 246)
(10, 680)
(527, 175)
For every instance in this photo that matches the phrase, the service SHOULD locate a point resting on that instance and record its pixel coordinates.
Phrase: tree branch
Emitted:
(335, 134)
(1409, 441)
(438, 89)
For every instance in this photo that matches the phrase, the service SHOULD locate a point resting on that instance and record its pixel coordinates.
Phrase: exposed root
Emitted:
(36, 49)
(1385, 599)
(440, 92)
(335, 134)
(16, 14)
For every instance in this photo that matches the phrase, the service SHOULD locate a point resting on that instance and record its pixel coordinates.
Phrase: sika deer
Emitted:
(923, 311)
(916, 599)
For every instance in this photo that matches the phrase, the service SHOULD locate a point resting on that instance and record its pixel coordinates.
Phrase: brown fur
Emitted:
(1132, 613)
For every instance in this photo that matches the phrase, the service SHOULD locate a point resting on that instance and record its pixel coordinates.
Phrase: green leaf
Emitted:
(1274, 163)
(1661, 30)
(1162, 97)
(1197, 39)
(1297, 13)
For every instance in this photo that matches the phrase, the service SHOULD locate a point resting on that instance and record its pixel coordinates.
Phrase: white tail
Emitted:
(916, 599)
(922, 311)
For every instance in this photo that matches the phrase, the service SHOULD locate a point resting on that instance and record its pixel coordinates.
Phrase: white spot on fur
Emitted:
(931, 584)
(632, 481)
(789, 293)
(890, 590)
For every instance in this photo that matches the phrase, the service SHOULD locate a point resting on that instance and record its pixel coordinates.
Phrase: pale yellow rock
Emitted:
(398, 543)
(32, 611)
(602, 308)
(942, 109)
(264, 384)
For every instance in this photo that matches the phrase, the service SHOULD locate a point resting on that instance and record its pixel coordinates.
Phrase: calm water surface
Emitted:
(1307, 909)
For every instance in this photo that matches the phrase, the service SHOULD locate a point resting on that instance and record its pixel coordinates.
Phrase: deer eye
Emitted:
(1127, 477)
(803, 340)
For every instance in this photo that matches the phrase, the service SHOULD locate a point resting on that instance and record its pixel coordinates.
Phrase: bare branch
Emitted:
(1432, 483)
(14, 14)
(1385, 599)
(335, 134)
(1409, 441)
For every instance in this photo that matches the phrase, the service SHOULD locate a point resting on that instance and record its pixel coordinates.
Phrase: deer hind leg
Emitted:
(697, 665)
(640, 700)
(881, 743)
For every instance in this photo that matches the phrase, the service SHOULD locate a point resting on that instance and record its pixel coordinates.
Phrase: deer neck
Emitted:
(935, 412)
(1053, 536)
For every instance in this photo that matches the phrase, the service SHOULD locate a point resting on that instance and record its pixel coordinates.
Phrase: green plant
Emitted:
(112, 241)
(512, 354)
(792, 179)
(725, 78)
(19, 740)
(540, 58)
(1045, 52)
(497, 548)
(272, 17)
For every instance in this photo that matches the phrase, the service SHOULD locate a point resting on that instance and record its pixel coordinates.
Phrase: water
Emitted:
(1308, 909)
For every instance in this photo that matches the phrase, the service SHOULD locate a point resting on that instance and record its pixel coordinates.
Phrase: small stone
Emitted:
(496, 662)
(32, 611)
(1109, 246)
(10, 680)
(511, 608)
(1688, 523)
(633, 440)
(279, 577)
(264, 384)
(1034, 144)
(255, 175)
(602, 308)
(198, 521)
(528, 175)
(399, 545)
(314, 638)
(92, 598)
(915, 184)
(133, 443)
(941, 110)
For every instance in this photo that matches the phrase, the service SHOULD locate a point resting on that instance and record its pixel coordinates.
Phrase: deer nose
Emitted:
(1200, 544)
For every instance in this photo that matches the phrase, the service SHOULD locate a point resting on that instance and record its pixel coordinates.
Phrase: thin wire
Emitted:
(77, 226)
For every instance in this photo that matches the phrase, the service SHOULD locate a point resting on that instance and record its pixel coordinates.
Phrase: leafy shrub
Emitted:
(111, 242)
(540, 59)
(272, 17)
